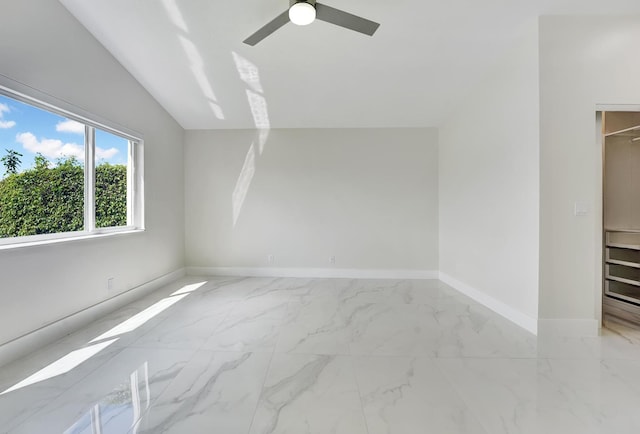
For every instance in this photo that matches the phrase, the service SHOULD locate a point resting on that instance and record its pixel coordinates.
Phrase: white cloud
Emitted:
(54, 148)
(51, 148)
(69, 126)
(105, 154)
(5, 124)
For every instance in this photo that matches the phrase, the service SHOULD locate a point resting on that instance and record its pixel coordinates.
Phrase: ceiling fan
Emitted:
(303, 12)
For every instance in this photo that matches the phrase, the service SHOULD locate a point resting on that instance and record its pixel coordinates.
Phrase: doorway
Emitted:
(620, 136)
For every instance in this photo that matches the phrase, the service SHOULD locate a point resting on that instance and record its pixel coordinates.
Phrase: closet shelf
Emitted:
(624, 246)
(623, 280)
(624, 297)
(625, 292)
(625, 263)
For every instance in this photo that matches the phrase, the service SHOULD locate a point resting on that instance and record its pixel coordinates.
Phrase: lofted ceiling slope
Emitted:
(425, 57)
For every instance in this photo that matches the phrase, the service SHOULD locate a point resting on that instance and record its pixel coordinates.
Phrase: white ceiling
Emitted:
(420, 64)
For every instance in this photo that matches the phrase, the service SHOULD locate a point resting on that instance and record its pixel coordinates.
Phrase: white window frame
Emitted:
(135, 180)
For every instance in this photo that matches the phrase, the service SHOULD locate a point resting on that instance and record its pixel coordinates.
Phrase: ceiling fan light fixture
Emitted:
(302, 13)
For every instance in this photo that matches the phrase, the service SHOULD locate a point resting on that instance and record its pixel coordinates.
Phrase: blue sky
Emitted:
(29, 130)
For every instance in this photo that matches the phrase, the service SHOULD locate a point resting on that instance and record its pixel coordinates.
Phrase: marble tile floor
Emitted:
(322, 356)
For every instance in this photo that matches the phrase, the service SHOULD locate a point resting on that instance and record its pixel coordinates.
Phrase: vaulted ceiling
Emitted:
(425, 57)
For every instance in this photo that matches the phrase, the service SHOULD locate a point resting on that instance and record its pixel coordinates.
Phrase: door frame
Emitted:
(599, 201)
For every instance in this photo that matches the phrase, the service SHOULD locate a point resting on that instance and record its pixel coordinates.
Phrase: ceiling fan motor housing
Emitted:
(302, 13)
(311, 2)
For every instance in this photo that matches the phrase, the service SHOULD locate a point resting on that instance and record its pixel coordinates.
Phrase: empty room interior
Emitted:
(396, 217)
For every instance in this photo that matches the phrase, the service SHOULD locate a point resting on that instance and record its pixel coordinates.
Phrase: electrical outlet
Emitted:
(110, 284)
(332, 260)
(270, 259)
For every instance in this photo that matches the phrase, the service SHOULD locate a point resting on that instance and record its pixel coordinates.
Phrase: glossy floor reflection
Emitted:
(280, 355)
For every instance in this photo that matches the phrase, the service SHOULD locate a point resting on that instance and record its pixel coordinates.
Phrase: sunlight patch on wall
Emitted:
(173, 11)
(258, 105)
(263, 135)
(242, 184)
(248, 72)
(196, 64)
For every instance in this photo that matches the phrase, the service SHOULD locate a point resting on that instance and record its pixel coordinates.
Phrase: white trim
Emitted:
(513, 315)
(598, 214)
(49, 333)
(30, 95)
(617, 107)
(65, 237)
(131, 182)
(569, 327)
(89, 178)
(137, 174)
(349, 273)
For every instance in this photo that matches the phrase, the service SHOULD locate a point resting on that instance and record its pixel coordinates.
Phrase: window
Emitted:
(63, 175)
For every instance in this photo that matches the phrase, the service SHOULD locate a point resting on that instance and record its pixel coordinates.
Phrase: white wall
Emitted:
(366, 196)
(584, 61)
(489, 198)
(43, 47)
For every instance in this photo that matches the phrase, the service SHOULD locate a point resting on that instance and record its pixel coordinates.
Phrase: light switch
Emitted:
(580, 209)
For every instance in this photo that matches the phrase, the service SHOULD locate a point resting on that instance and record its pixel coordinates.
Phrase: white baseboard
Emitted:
(348, 273)
(513, 315)
(569, 327)
(49, 333)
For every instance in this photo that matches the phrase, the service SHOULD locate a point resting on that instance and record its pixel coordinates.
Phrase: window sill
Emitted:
(69, 239)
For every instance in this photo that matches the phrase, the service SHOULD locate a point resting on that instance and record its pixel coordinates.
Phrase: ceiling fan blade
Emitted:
(345, 19)
(268, 29)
